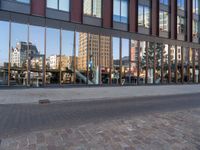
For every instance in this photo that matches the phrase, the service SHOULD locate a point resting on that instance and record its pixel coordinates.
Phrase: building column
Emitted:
(38, 7)
(173, 19)
(155, 6)
(189, 20)
(107, 13)
(76, 11)
(133, 16)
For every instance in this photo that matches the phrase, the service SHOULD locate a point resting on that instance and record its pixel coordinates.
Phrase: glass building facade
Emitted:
(52, 52)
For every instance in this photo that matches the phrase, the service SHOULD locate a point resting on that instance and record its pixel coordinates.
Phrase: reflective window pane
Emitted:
(4, 52)
(105, 59)
(64, 5)
(81, 58)
(125, 61)
(18, 55)
(165, 64)
(36, 62)
(134, 62)
(179, 64)
(143, 62)
(158, 62)
(115, 61)
(93, 59)
(67, 57)
(23, 1)
(173, 63)
(52, 56)
(52, 4)
(149, 56)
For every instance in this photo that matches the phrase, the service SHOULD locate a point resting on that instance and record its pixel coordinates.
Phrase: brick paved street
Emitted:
(156, 123)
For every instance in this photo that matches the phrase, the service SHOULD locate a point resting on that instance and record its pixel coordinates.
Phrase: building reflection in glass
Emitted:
(67, 57)
(4, 52)
(173, 63)
(186, 64)
(125, 62)
(134, 61)
(165, 64)
(36, 57)
(142, 62)
(196, 66)
(105, 55)
(159, 47)
(115, 72)
(191, 74)
(149, 56)
(52, 56)
(19, 54)
(81, 58)
(179, 64)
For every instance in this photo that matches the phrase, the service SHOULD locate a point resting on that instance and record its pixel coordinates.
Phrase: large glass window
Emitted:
(92, 8)
(125, 61)
(181, 25)
(164, 21)
(23, 1)
(52, 56)
(105, 56)
(93, 59)
(36, 58)
(67, 57)
(4, 52)
(196, 6)
(179, 64)
(158, 62)
(120, 11)
(149, 58)
(58, 4)
(173, 63)
(195, 28)
(186, 64)
(196, 65)
(181, 4)
(19, 54)
(81, 58)
(134, 61)
(116, 61)
(144, 16)
(165, 63)
(142, 62)
(166, 2)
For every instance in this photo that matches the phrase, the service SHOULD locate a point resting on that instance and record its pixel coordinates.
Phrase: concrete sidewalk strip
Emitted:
(33, 95)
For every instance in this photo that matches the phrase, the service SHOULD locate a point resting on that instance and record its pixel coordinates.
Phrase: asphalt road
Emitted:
(22, 118)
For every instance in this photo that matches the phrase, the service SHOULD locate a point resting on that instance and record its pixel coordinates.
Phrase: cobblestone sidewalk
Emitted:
(178, 130)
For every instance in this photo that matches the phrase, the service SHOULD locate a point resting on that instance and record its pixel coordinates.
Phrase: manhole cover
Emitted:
(44, 101)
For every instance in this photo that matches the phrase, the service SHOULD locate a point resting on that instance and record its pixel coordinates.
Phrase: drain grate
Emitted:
(44, 101)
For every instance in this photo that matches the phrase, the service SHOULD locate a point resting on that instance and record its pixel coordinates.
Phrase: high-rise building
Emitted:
(21, 52)
(89, 51)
